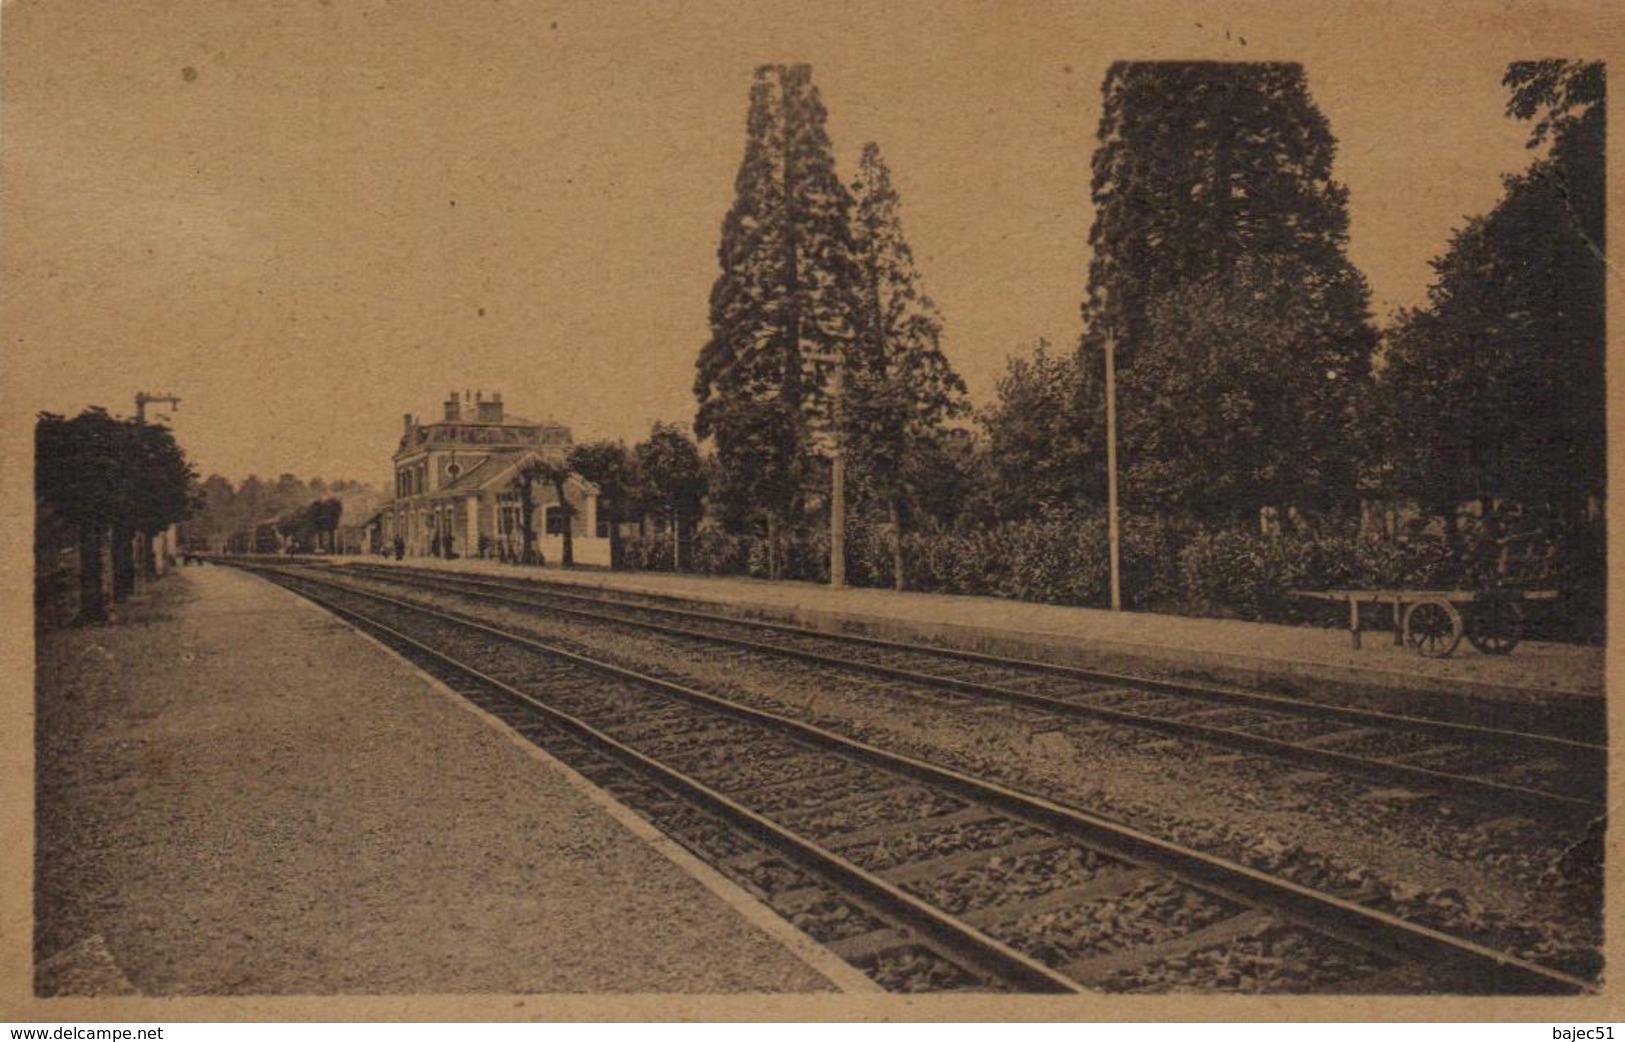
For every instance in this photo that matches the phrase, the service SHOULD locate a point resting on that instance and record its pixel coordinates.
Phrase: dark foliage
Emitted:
(899, 389)
(109, 479)
(786, 291)
(1219, 175)
(669, 483)
(1495, 390)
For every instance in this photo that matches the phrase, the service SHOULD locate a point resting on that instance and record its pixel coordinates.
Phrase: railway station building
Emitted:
(455, 493)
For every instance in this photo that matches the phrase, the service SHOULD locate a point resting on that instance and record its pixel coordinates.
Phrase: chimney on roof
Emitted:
(454, 407)
(488, 411)
(406, 425)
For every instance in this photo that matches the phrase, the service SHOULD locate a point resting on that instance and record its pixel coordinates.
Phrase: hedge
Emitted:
(1062, 559)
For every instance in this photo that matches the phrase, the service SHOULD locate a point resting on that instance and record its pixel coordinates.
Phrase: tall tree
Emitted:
(329, 512)
(109, 479)
(1038, 462)
(217, 521)
(1204, 165)
(1495, 389)
(162, 486)
(556, 473)
(1567, 100)
(524, 484)
(289, 493)
(785, 292)
(900, 388)
(76, 466)
(670, 481)
(252, 502)
(608, 465)
(1218, 425)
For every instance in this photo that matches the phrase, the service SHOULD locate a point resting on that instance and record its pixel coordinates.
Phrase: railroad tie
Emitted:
(948, 864)
(1097, 968)
(1110, 882)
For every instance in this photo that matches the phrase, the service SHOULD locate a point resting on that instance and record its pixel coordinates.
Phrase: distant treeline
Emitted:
(300, 513)
(104, 489)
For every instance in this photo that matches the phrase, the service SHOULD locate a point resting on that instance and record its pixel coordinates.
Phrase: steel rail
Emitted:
(1443, 782)
(1380, 932)
(961, 943)
(1208, 692)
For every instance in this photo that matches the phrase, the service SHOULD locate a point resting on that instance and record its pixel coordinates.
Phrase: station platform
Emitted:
(1567, 678)
(240, 795)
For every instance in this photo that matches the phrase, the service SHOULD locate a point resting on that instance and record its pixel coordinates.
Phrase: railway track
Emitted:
(921, 875)
(1534, 773)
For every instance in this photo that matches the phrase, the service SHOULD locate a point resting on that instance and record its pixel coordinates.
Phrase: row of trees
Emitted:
(1497, 384)
(817, 289)
(1219, 273)
(108, 487)
(1251, 376)
(662, 478)
(313, 526)
(293, 505)
(1253, 382)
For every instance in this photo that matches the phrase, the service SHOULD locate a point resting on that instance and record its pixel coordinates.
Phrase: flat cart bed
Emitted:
(1434, 621)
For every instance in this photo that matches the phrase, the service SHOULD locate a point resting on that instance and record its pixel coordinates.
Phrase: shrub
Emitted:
(1054, 560)
(805, 556)
(1239, 573)
(1245, 574)
(1151, 575)
(647, 554)
(715, 552)
(1058, 559)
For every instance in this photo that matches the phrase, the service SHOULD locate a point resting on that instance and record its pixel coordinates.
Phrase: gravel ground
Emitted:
(1180, 642)
(1413, 855)
(237, 795)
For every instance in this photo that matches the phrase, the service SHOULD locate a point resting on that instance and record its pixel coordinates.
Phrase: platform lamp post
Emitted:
(837, 495)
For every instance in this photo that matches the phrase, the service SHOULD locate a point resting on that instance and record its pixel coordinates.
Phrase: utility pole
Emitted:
(837, 496)
(1113, 536)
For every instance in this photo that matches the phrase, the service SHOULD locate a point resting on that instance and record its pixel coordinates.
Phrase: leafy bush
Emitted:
(1053, 560)
(1062, 558)
(647, 554)
(1245, 574)
(1151, 576)
(714, 552)
(1231, 572)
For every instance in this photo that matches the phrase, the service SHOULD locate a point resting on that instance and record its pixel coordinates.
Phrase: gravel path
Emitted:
(239, 795)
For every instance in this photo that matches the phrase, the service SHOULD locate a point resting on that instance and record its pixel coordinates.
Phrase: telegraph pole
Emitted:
(837, 495)
(1113, 535)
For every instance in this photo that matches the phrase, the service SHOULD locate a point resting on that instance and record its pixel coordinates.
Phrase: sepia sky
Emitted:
(308, 218)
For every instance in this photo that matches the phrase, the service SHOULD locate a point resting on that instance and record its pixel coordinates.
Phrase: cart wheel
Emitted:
(1433, 628)
(1497, 626)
